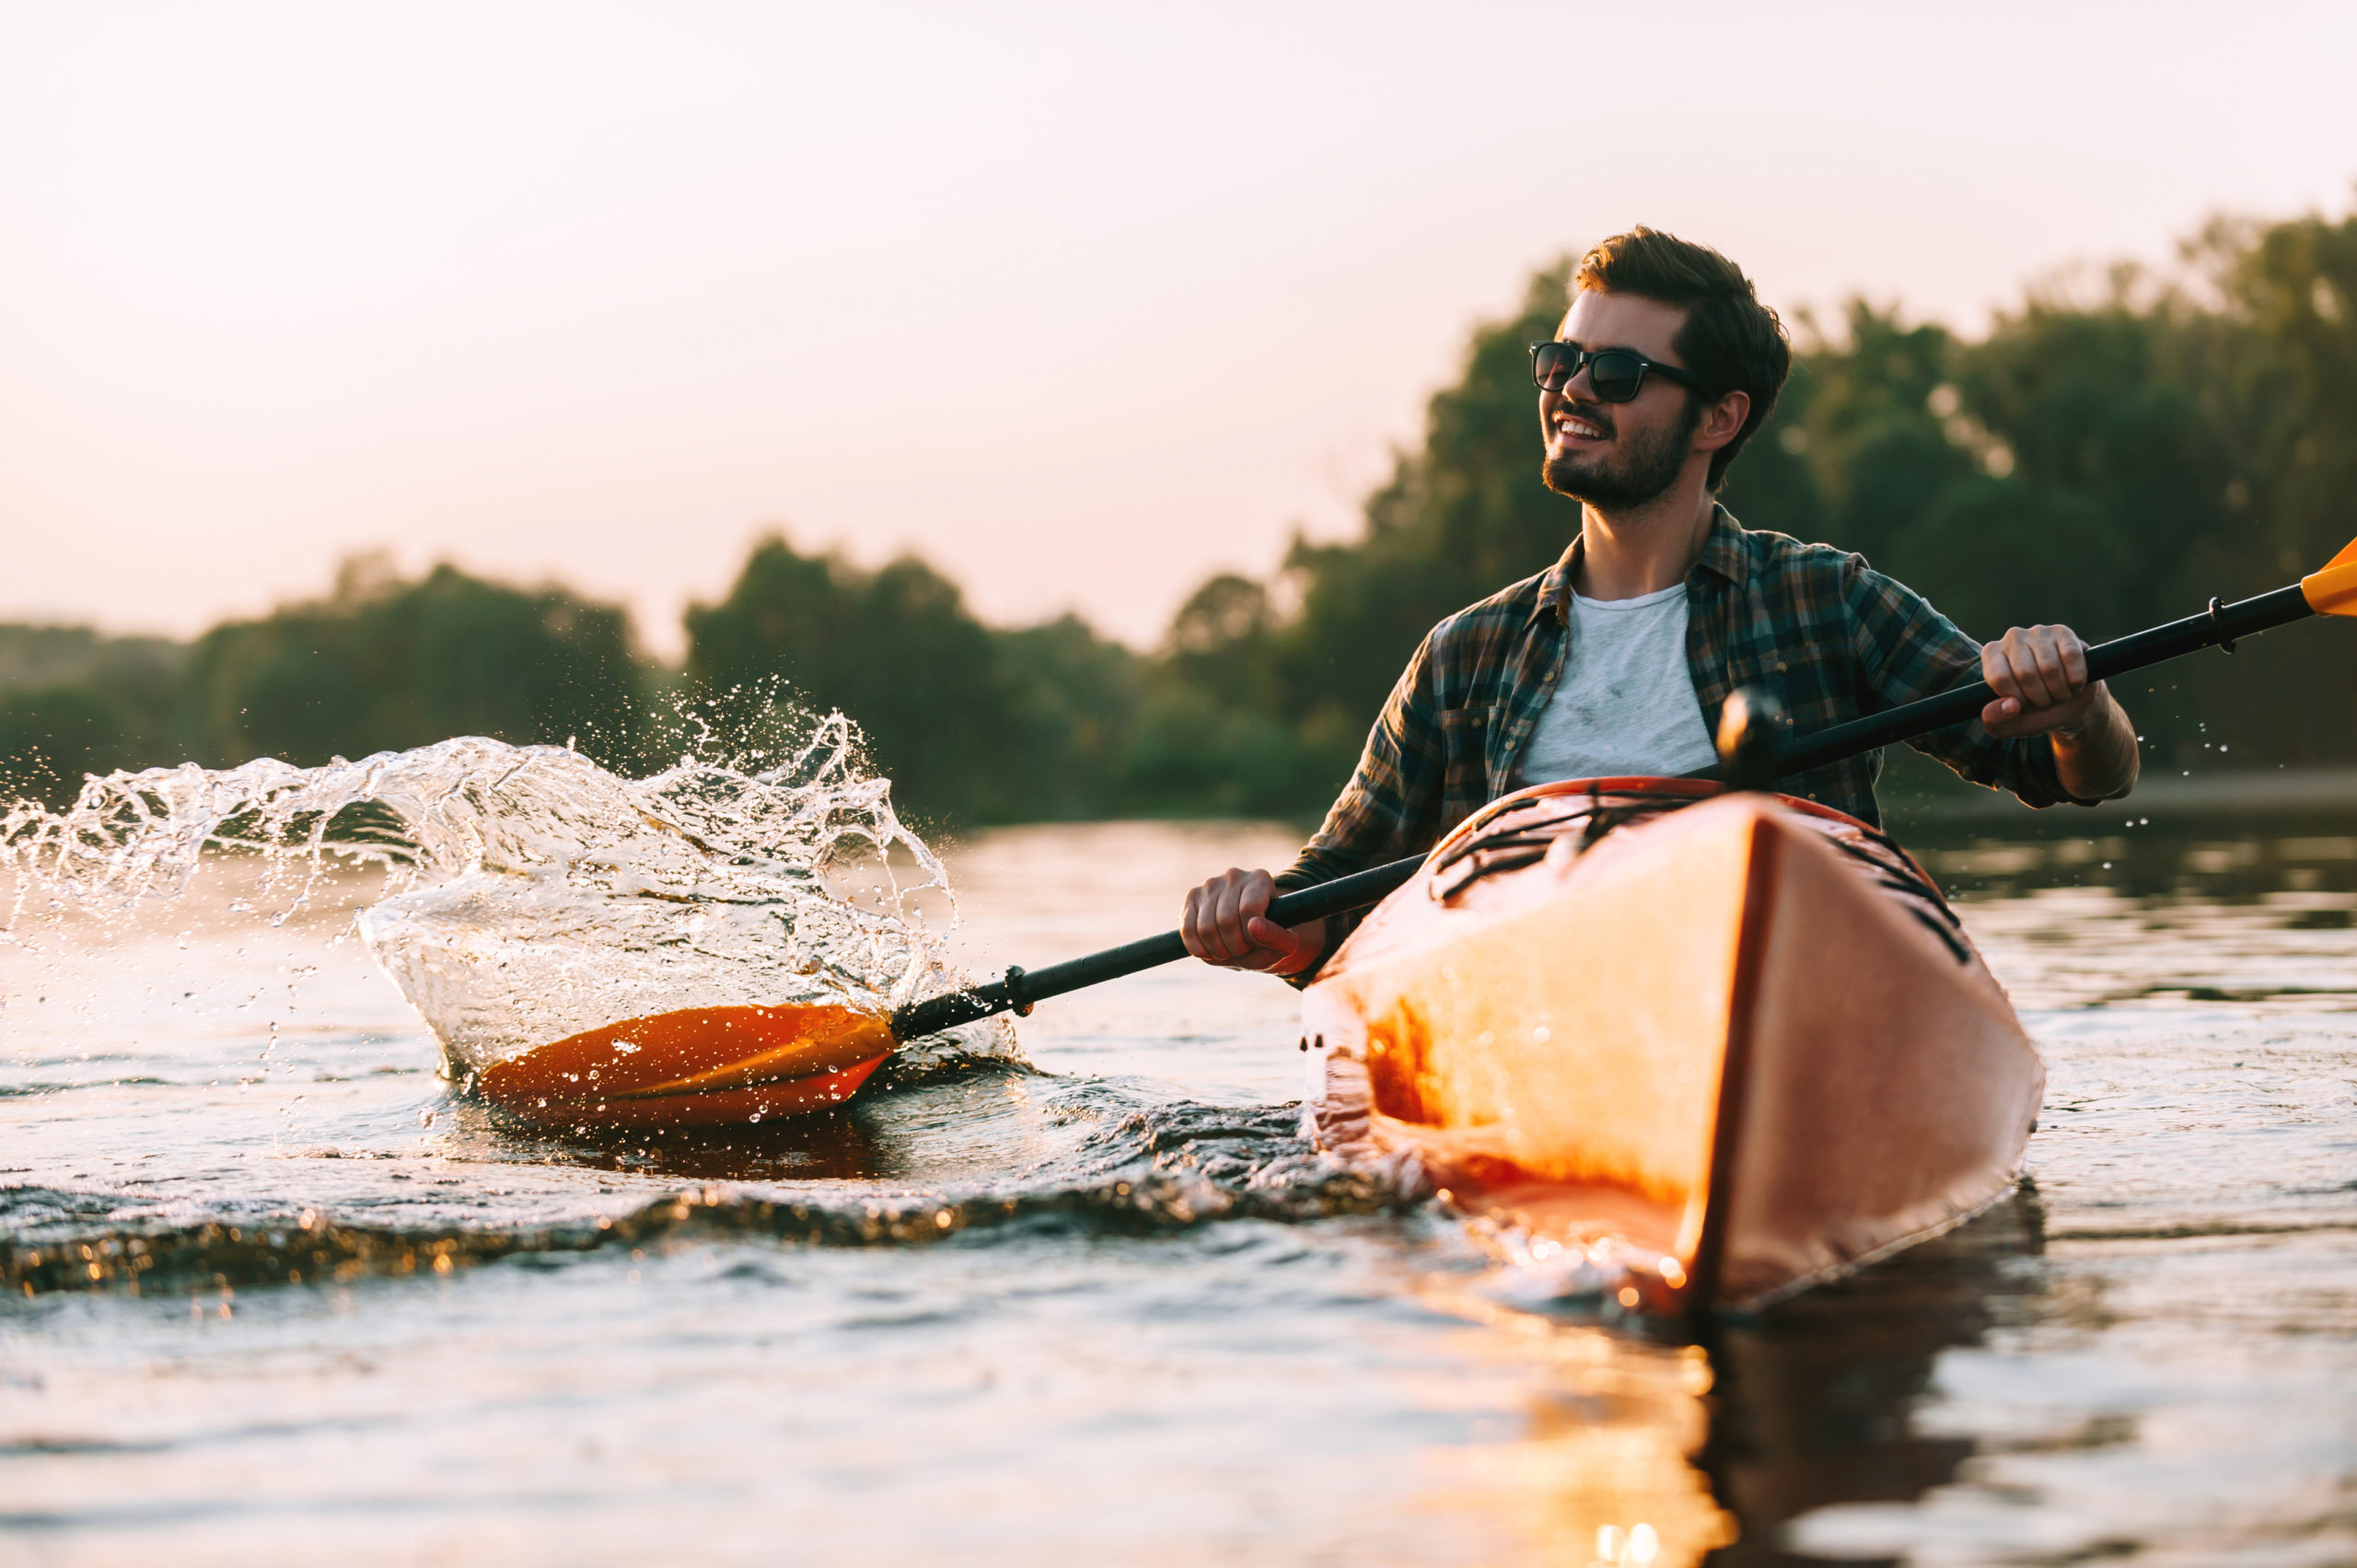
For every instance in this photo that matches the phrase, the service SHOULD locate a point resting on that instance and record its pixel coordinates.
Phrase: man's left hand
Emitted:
(2040, 675)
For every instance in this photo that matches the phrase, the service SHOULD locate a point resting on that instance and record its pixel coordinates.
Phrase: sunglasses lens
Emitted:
(1547, 366)
(1616, 376)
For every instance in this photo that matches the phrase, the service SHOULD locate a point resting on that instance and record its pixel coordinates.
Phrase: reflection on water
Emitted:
(838, 1145)
(1813, 1403)
(269, 1280)
(2148, 867)
(1601, 1467)
(1674, 1450)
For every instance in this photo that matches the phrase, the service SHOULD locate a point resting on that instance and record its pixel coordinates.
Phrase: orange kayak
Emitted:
(1716, 1049)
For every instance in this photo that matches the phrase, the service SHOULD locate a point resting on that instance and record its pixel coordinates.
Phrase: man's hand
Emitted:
(1226, 923)
(2040, 677)
(2039, 674)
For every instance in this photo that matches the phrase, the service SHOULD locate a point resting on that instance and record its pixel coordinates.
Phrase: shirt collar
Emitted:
(1723, 552)
(1555, 584)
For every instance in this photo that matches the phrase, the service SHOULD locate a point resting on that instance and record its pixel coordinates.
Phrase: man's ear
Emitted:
(1721, 421)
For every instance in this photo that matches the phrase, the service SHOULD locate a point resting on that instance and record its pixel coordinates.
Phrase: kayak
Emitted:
(1716, 1048)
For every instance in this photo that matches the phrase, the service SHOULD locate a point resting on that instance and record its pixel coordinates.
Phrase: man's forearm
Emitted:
(2100, 761)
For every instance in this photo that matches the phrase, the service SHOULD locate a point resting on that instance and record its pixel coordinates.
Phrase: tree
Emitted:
(1077, 703)
(385, 665)
(895, 649)
(49, 738)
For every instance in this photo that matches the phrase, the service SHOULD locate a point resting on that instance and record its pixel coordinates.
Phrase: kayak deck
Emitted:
(1723, 1048)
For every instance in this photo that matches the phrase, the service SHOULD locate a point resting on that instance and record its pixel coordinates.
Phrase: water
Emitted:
(1099, 1305)
(531, 896)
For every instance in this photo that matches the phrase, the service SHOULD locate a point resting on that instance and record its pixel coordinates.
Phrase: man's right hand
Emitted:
(1226, 923)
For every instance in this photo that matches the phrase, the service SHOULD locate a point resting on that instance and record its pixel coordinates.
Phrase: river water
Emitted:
(274, 1298)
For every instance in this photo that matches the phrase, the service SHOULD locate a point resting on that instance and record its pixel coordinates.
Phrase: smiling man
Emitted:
(1616, 659)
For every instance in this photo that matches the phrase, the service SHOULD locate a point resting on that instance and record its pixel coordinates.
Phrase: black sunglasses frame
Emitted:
(1586, 359)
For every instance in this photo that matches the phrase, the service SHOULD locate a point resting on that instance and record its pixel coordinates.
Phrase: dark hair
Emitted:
(1730, 341)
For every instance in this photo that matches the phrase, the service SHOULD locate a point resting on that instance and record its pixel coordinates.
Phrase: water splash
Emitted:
(532, 895)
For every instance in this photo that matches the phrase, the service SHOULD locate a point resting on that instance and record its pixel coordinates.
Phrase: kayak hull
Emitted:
(1722, 1049)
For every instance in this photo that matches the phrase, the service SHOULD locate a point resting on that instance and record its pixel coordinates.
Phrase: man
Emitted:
(1616, 659)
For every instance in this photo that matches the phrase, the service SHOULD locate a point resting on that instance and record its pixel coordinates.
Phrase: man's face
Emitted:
(1616, 455)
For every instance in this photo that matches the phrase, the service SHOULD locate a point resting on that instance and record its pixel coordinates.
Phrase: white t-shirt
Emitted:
(1625, 703)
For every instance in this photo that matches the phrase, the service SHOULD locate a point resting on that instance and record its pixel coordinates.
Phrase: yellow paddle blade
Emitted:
(2331, 589)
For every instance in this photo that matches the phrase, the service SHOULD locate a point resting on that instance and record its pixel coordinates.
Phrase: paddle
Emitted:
(2330, 591)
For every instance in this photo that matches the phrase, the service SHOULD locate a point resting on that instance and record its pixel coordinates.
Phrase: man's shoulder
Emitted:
(1809, 583)
(1511, 605)
(1802, 577)
(1781, 552)
(1467, 651)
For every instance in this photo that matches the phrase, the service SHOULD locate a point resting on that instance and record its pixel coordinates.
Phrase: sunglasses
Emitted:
(1616, 374)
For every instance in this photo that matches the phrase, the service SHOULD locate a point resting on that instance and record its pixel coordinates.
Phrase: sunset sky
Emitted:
(1082, 302)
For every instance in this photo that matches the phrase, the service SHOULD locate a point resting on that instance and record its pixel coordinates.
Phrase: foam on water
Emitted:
(532, 894)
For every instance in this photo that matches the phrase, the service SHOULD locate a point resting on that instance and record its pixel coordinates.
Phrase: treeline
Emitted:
(378, 664)
(2108, 461)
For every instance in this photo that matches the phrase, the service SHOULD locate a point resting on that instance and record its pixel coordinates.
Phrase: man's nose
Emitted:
(1571, 390)
(1574, 386)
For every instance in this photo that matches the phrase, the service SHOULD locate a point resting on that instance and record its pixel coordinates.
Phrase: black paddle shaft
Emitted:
(2220, 625)
(1020, 988)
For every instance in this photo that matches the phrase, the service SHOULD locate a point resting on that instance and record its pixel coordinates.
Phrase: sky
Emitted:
(1080, 302)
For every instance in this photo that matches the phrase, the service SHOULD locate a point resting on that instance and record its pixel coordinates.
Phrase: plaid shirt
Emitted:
(1826, 632)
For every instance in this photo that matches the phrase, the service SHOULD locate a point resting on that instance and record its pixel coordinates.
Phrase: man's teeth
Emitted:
(1578, 427)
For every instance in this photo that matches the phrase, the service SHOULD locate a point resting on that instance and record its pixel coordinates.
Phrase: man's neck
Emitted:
(1643, 550)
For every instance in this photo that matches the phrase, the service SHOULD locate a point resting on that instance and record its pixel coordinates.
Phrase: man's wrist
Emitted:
(2099, 710)
(2098, 754)
(1312, 940)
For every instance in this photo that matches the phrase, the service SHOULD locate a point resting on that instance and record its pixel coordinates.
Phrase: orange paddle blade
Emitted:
(752, 1060)
(2331, 589)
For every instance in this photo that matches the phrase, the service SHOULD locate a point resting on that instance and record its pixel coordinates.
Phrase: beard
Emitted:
(1649, 466)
